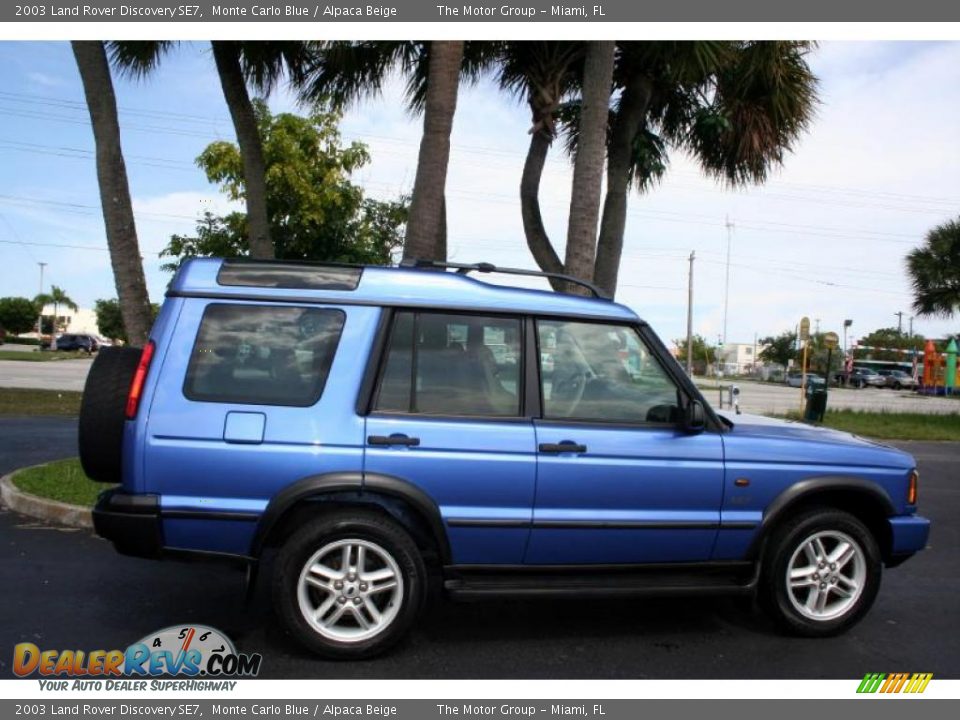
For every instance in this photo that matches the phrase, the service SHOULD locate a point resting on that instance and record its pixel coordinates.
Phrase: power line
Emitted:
(152, 114)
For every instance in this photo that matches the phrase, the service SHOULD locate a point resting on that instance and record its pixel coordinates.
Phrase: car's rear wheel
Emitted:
(350, 584)
(821, 573)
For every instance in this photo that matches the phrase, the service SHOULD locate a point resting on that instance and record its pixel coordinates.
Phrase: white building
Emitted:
(740, 358)
(81, 321)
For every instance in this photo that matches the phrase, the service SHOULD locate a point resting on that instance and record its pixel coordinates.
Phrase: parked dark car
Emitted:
(71, 342)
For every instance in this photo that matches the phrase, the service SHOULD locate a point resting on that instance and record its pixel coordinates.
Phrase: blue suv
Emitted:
(372, 431)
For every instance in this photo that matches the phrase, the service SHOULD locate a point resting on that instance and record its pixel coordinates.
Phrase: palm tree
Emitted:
(55, 297)
(544, 74)
(261, 64)
(935, 271)
(736, 107)
(425, 236)
(589, 162)
(121, 229)
(344, 73)
(634, 155)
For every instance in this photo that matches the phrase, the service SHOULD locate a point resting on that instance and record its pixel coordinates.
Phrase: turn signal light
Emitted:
(139, 378)
(912, 488)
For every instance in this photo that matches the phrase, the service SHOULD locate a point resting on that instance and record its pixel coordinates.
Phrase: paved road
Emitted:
(68, 589)
(50, 375)
(766, 398)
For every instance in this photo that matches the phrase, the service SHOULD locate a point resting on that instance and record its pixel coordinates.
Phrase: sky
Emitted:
(825, 237)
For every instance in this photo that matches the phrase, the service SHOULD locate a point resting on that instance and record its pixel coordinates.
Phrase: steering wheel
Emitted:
(569, 391)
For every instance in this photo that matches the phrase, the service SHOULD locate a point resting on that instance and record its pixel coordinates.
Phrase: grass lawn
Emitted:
(894, 426)
(23, 401)
(62, 480)
(40, 356)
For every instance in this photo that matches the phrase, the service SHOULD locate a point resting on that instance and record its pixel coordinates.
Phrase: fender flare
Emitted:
(811, 487)
(351, 482)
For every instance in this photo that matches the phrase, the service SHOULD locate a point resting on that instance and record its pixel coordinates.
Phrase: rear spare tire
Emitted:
(103, 412)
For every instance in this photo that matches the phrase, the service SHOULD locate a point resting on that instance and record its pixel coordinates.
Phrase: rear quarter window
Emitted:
(263, 355)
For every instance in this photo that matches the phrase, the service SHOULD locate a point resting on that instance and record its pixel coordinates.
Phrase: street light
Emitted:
(40, 317)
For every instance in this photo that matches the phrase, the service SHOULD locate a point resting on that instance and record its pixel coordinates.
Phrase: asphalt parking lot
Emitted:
(68, 589)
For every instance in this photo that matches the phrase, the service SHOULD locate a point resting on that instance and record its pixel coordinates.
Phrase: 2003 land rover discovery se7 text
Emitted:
(368, 424)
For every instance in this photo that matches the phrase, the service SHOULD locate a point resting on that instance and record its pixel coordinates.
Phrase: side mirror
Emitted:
(694, 419)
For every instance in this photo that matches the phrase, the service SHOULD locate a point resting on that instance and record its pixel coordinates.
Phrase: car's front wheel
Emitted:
(350, 584)
(821, 573)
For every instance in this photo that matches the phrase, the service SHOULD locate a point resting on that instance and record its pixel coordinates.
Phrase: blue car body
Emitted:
(222, 475)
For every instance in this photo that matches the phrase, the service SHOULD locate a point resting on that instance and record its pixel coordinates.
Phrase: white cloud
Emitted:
(44, 79)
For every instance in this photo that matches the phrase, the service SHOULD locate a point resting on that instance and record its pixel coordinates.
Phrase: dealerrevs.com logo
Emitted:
(190, 651)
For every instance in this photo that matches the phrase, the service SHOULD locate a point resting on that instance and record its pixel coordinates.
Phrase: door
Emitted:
(618, 481)
(448, 416)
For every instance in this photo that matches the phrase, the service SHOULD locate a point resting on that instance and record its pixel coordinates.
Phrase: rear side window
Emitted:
(445, 364)
(261, 355)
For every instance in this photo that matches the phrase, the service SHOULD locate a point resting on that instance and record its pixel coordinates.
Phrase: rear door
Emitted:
(448, 415)
(245, 404)
(618, 481)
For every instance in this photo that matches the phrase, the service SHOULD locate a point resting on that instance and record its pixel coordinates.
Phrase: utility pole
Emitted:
(899, 322)
(911, 326)
(693, 255)
(817, 321)
(40, 317)
(726, 293)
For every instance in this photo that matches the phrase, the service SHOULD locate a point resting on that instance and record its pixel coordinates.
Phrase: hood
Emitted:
(760, 426)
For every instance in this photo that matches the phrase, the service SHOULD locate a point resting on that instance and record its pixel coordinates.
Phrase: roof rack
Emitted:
(483, 267)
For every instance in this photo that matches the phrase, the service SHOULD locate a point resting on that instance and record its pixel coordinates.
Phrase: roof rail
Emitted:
(483, 267)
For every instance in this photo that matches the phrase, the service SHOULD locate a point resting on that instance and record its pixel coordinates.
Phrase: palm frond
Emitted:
(934, 271)
(138, 58)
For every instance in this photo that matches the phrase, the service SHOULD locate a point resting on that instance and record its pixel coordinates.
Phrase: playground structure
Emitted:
(936, 372)
(939, 370)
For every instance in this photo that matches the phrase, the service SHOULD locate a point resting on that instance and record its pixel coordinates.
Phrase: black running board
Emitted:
(481, 582)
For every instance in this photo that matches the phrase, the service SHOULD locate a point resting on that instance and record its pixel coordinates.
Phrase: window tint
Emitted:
(591, 371)
(263, 355)
(452, 365)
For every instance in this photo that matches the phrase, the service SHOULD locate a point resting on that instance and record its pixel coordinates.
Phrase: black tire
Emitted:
(353, 525)
(787, 540)
(103, 412)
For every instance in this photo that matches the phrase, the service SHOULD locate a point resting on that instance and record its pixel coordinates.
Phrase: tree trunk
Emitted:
(537, 239)
(440, 251)
(588, 165)
(630, 120)
(226, 54)
(427, 204)
(121, 229)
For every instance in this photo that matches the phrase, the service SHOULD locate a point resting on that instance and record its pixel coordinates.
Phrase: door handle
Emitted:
(564, 447)
(395, 439)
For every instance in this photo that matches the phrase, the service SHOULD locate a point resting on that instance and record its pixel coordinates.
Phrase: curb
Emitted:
(51, 511)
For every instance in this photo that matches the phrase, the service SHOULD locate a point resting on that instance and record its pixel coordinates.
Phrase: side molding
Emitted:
(351, 482)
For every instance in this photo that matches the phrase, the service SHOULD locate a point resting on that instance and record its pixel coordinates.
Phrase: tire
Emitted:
(345, 599)
(103, 413)
(797, 609)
